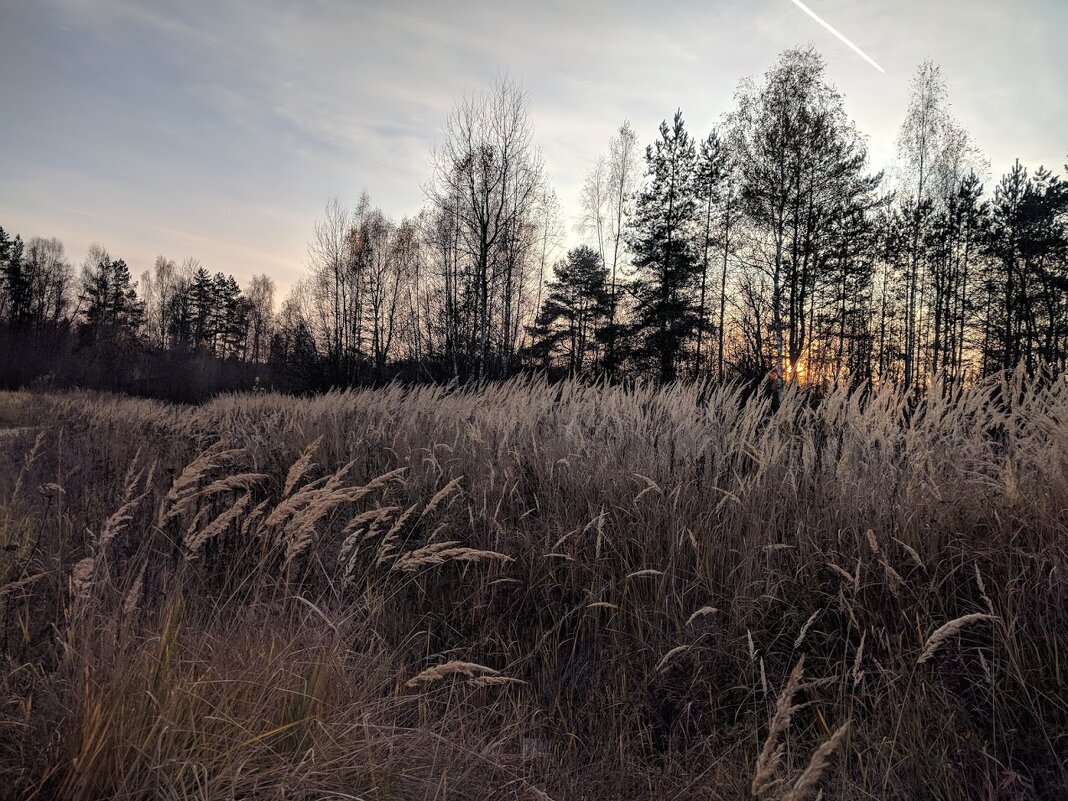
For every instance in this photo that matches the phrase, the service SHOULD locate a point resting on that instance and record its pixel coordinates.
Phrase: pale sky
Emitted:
(218, 129)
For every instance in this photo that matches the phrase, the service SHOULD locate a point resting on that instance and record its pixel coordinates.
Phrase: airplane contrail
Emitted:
(834, 30)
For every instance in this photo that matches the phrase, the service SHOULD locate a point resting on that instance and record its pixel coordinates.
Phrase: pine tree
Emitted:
(662, 239)
(202, 309)
(112, 311)
(1045, 250)
(229, 318)
(1004, 244)
(573, 319)
(181, 317)
(14, 281)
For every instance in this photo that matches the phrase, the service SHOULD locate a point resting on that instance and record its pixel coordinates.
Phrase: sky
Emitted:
(219, 129)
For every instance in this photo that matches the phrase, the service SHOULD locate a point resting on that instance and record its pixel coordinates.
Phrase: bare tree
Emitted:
(260, 298)
(710, 176)
(623, 174)
(487, 179)
(385, 269)
(329, 251)
(51, 281)
(158, 286)
(596, 206)
(728, 220)
(919, 146)
(551, 234)
(419, 288)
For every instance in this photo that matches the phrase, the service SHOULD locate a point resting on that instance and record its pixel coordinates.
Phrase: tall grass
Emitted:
(532, 591)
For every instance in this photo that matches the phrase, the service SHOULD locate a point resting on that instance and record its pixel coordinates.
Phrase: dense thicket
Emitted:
(768, 249)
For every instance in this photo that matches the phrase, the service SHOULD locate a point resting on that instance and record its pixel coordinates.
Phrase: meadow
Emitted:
(533, 591)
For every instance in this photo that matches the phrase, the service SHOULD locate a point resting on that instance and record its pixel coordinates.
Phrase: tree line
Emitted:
(768, 249)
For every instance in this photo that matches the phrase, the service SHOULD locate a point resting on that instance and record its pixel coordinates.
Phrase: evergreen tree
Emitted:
(181, 317)
(662, 240)
(955, 238)
(847, 296)
(202, 308)
(229, 318)
(1029, 239)
(1007, 230)
(112, 311)
(14, 280)
(573, 318)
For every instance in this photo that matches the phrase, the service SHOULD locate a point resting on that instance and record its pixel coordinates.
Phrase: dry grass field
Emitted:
(536, 592)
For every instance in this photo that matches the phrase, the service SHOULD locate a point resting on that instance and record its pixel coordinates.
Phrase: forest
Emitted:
(768, 250)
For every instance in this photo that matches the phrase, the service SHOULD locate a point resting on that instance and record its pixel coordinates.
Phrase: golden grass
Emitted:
(533, 591)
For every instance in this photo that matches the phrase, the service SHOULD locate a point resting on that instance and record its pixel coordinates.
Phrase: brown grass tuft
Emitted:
(947, 630)
(451, 668)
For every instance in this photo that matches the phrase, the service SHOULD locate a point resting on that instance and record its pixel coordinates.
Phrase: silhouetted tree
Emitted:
(803, 170)
(111, 309)
(623, 169)
(569, 329)
(14, 281)
(487, 184)
(709, 179)
(50, 280)
(662, 240)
